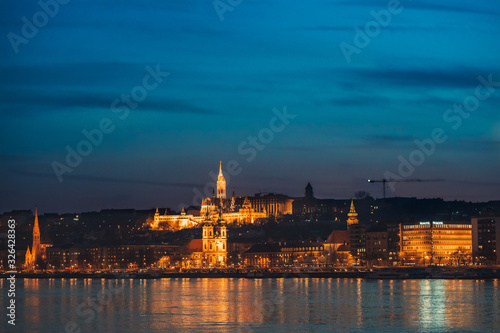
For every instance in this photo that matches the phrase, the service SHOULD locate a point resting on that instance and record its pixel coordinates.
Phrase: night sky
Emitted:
(355, 102)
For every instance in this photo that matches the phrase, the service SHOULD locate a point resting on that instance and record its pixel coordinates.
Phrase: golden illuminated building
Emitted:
(436, 243)
(211, 250)
(221, 184)
(272, 204)
(352, 215)
(175, 222)
(217, 207)
(38, 248)
(214, 243)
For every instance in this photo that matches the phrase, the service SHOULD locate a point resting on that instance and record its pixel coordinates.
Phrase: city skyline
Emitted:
(154, 95)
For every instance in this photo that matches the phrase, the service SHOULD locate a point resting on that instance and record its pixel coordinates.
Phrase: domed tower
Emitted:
(221, 184)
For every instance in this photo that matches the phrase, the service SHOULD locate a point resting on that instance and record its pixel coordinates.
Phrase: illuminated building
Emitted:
(245, 215)
(338, 249)
(279, 255)
(485, 239)
(214, 243)
(272, 204)
(357, 234)
(38, 249)
(217, 207)
(352, 215)
(221, 184)
(211, 250)
(175, 222)
(435, 243)
(108, 257)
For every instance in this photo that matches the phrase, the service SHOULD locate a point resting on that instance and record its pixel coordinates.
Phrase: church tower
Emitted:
(32, 256)
(221, 184)
(214, 243)
(35, 250)
(309, 194)
(28, 259)
(352, 215)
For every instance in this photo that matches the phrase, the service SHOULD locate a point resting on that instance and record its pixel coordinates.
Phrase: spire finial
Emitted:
(36, 228)
(220, 168)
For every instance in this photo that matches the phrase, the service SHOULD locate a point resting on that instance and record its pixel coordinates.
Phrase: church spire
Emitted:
(309, 191)
(352, 215)
(28, 260)
(221, 184)
(36, 227)
(35, 249)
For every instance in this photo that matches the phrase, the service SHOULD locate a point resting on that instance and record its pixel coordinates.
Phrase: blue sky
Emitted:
(353, 119)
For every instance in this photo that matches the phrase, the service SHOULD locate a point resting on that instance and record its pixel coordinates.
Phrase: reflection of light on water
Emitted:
(229, 305)
(432, 301)
(359, 307)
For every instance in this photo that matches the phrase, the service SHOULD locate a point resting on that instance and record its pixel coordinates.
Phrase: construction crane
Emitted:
(385, 181)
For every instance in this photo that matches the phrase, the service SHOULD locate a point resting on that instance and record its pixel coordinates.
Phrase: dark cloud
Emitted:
(105, 179)
(388, 140)
(455, 77)
(477, 144)
(455, 6)
(359, 101)
(391, 27)
(35, 101)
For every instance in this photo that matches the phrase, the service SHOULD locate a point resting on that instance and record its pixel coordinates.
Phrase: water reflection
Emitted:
(260, 305)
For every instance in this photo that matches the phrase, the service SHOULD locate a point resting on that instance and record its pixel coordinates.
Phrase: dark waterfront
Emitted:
(255, 305)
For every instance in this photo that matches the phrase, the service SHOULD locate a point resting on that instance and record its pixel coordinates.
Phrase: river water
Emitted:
(253, 305)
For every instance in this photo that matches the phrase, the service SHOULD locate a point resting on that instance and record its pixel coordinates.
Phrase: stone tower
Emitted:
(221, 184)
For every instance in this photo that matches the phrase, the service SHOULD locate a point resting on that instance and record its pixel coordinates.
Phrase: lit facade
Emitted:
(436, 243)
(108, 257)
(214, 244)
(279, 255)
(210, 251)
(272, 204)
(216, 207)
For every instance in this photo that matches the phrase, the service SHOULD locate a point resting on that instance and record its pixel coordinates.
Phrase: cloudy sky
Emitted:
(358, 94)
